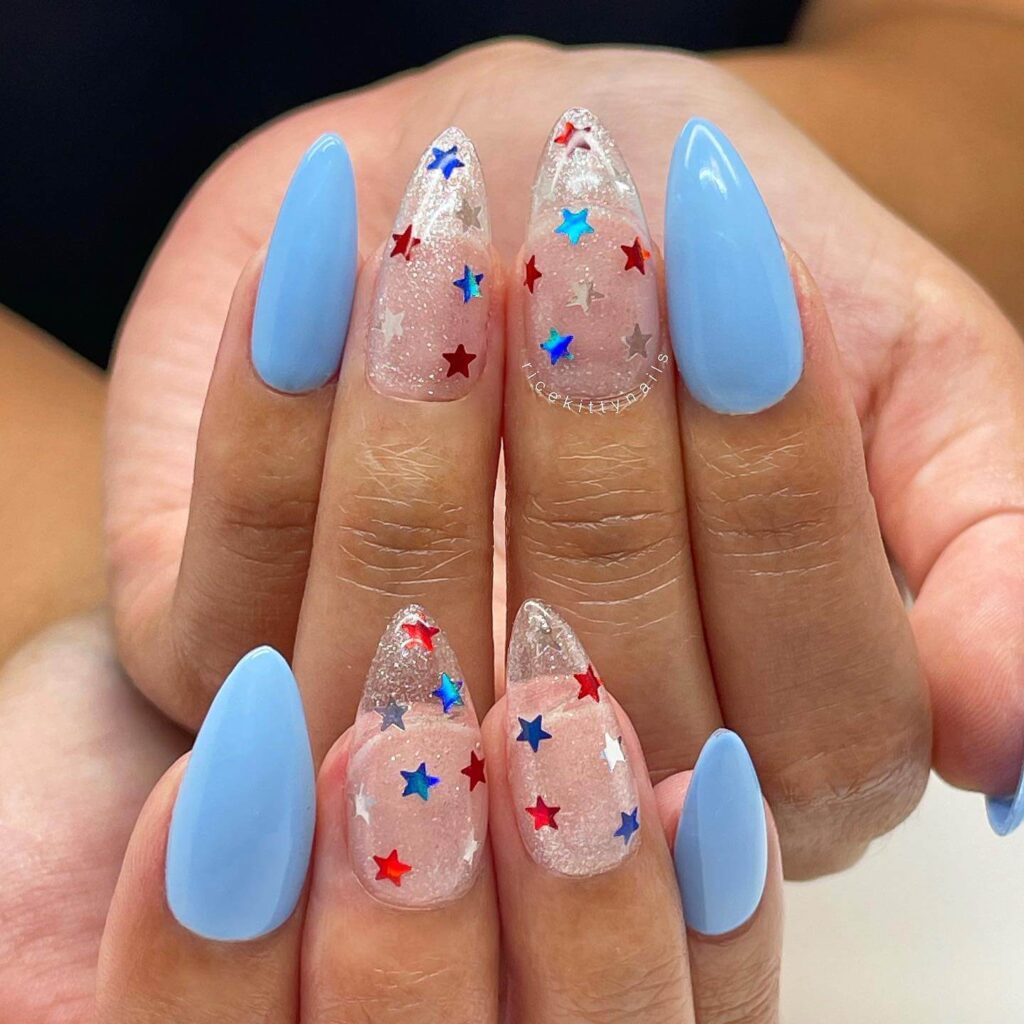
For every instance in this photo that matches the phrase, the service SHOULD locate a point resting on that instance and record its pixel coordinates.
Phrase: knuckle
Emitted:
(749, 994)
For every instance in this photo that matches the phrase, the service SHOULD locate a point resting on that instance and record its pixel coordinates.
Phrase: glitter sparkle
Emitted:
(474, 771)
(557, 346)
(590, 683)
(532, 732)
(629, 825)
(449, 693)
(636, 255)
(533, 275)
(420, 633)
(444, 160)
(390, 868)
(543, 815)
(391, 714)
(574, 225)
(405, 242)
(419, 782)
(469, 284)
(458, 361)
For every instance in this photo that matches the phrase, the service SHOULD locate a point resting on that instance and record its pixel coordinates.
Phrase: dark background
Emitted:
(109, 112)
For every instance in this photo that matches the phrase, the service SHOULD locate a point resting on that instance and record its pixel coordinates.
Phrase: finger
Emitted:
(589, 905)
(402, 923)
(259, 459)
(812, 651)
(730, 875)
(406, 503)
(596, 513)
(206, 919)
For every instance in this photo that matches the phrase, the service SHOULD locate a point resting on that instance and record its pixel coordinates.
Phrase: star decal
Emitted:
(474, 771)
(636, 342)
(532, 732)
(636, 255)
(444, 160)
(391, 714)
(590, 683)
(420, 782)
(585, 295)
(574, 225)
(612, 753)
(449, 693)
(533, 275)
(391, 324)
(630, 824)
(469, 853)
(420, 633)
(405, 242)
(363, 802)
(469, 284)
(557, 346)
(390, 868)
(543, 816)
(573, 138)
(458, 361)
(468, 214)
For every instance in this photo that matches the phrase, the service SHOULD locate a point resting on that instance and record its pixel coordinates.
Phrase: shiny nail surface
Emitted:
(572, 783)
(242, 826)
(734, 317)
(305, 293)
(417, 782)
(592, 321)
(721, 847)
(1005, 813)
(428, 326)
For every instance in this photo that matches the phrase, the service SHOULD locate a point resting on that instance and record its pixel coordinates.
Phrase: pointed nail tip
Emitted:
(1006, 813)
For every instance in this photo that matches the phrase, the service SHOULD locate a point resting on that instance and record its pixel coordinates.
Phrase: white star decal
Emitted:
(612, 753)
(363, 802)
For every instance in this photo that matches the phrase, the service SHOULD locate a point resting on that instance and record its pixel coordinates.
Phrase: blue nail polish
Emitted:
(721, 848)
(242, 826)
(734, 317)
(305, 296)
(1005, 813)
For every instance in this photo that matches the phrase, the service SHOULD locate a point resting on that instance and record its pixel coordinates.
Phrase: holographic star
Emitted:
(391, 324)
(474, 771)
(612, 753)
(390, 868)
(419, 782)
(590, 683)
(543, 815)
(629, 825)
(636, 343)
(363, 802)
(468, 214)
(573, 138)
(574, 225)
(557, 346)
(391, 714)
(532, 732)
(445, 161)
(405, 242)
(636, 254)
(448, 693)
(420, 633)
(533, 275)
(585, 295)
(469, 284)
(458, 361)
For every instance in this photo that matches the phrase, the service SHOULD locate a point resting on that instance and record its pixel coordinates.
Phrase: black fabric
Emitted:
(109, 111)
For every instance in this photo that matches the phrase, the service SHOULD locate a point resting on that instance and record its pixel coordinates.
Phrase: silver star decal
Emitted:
(472, 845)
(584, 295)
(468, 214)
(391, 324)
(363, 802)
(391, 714)
(612, 753)
(636, 342)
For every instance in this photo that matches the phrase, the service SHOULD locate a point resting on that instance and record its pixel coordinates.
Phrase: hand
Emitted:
(850, 750)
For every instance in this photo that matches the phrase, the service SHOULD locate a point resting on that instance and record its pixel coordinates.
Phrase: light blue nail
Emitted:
(1005, 813)
(242, 826)
(734, 317)
(721, 848)
(305, 296)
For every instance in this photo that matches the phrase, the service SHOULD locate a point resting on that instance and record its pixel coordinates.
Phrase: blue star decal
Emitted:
(469, 284)
(418, 783)
(533, 732)
(557, 346)
(445, 161)
(630, 824)
(574, 225)
(448, 692)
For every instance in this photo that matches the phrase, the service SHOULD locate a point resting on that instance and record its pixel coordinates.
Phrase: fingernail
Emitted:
(428, 328)
(734, 317)
(242, 825)
(572, 784)
(1005, 813)
(305, 294)
(417, 782)
(721, 847)
(592, 324)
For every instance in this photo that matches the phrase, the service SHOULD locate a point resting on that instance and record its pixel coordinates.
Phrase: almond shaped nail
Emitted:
(572, 783)
(592, 329)
(428, 325)
(416, 785)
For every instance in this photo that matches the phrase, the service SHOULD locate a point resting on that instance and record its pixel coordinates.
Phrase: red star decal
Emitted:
(474, 771)
(405, 243)
(543, 816)
(589, 682)
(533, 275)
(458, 361)
(572, 138)
(636, 254)
(420, 633)
(390, 868)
